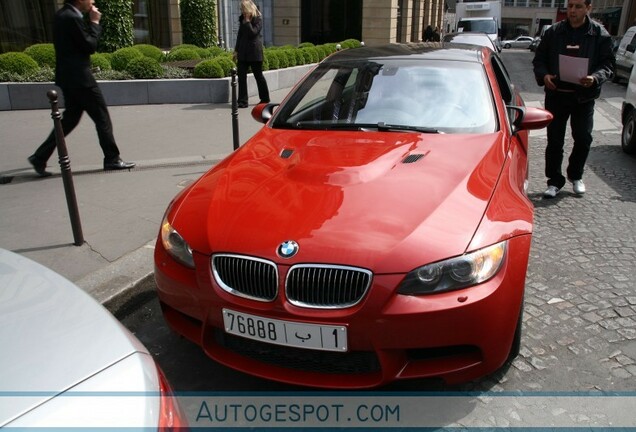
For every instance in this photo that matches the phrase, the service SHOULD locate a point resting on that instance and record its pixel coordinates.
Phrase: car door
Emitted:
(625, 53)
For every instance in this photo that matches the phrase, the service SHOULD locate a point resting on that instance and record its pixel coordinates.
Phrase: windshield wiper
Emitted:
(390, 127)
(381, 126)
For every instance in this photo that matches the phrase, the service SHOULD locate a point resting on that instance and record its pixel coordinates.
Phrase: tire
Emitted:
(628, 136)
(507, 46)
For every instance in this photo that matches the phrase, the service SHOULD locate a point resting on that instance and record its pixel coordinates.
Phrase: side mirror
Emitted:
(529, 118)
(263, 112)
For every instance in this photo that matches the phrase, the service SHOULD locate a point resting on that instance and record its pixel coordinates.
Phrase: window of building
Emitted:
(151, 22)
(24, 23)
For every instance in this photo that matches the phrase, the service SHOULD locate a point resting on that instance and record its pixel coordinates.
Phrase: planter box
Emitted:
(24, 96)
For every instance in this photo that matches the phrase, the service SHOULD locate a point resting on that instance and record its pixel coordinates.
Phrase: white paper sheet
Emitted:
(572, 69)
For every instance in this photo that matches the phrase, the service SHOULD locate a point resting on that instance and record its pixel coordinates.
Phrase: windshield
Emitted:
(422, 95)
(486, 26)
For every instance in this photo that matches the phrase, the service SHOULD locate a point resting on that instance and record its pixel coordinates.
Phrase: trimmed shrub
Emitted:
(209, 69)
(226, 63)
(283, 59)
(204, 53)
(182, 46)
(101, 61)
(291, 56)
(305, 45)
(120, 58)
(43, 54)
(198, 21)
(150, 51)
(350, 43)
(182, 54)
(216, 51)
(300, 58)
(272, 58)
(17, 62)
(310, 54)
(323, 51)
(144, 68)
(331, 48)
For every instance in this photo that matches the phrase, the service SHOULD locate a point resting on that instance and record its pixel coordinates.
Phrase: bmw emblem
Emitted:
(287, 249)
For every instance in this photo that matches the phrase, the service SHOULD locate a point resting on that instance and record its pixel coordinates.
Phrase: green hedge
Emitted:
(21, 67)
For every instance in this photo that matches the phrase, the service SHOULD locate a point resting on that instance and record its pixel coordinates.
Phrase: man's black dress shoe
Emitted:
(118, 164)
(39, 167)
(243, 105)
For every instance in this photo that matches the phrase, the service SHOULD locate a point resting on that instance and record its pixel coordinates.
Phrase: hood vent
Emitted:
(412, 158)
(286, 153)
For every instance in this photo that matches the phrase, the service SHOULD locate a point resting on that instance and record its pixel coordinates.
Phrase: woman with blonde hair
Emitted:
(248, 52)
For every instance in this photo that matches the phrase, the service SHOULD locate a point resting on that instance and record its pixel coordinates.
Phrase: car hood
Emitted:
(54, 336)
(385, 201)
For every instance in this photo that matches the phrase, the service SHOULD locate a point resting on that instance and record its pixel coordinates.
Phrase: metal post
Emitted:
(65, 165)
(235, 125)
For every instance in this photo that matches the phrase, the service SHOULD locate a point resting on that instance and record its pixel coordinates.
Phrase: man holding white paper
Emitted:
(572, 61)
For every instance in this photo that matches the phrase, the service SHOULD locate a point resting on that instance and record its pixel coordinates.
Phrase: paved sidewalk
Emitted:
(120, 211)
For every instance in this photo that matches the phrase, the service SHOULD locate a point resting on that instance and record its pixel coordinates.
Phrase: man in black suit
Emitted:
(75, 40)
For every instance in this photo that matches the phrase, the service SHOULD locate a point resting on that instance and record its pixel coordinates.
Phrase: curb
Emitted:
(123, 280)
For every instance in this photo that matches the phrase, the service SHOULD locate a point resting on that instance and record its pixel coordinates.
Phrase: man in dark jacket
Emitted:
(75, 40)
(577, 36)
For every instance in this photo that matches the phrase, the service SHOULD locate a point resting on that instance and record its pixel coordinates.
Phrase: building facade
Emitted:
(375, 22)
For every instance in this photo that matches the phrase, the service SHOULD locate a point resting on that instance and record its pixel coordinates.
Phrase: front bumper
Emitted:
(456, 336)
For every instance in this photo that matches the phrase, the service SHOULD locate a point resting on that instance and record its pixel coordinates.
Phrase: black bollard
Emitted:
(65, 165)
(235, 125)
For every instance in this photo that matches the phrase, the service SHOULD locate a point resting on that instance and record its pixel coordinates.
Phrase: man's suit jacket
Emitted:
(75, 40)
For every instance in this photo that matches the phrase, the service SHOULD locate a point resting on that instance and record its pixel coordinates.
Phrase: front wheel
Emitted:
(628, 136)
(507, 46)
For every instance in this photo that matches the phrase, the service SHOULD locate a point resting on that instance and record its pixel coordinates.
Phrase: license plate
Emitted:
(302, 335)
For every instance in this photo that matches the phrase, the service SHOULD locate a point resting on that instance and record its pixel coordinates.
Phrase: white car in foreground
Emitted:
(66, 362)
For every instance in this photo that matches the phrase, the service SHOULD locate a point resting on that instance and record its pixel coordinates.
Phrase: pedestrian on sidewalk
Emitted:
(75, 39)
(428, 34)
(577, 36)
(248, 52)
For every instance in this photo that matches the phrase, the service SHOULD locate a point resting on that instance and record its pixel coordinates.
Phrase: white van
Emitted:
(488, 25)
(628, 116)
(625, 56)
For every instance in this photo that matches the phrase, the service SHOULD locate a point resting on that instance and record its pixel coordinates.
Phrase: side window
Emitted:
(505, 87)
(503, 81)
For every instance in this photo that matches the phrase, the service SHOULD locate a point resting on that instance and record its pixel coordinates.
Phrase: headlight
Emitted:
(175, 245)
(455, 273)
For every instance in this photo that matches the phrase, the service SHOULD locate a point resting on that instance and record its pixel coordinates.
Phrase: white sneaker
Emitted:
(551, 192)
(579, 187)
